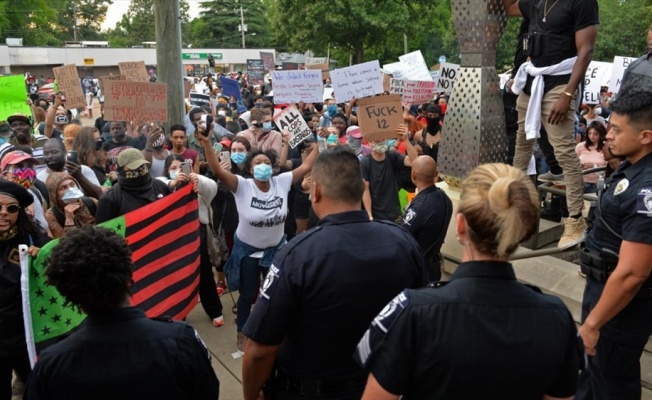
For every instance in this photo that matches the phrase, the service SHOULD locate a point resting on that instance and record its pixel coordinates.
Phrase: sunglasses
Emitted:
(11, 208)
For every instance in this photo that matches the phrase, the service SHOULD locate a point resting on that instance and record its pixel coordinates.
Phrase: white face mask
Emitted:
(598, 110)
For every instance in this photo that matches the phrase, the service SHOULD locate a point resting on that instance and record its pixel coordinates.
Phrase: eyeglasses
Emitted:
(11, 208)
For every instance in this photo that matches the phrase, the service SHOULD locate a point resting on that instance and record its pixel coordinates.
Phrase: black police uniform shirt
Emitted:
(625, 208)
(481, 335)
(124, 355)
(638, 75)
(562, 21)
(324, 288)
(427, 218)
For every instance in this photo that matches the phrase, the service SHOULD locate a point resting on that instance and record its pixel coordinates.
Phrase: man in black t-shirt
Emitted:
(561, 37)
(118, 143)
(324, 288)
(379, 171)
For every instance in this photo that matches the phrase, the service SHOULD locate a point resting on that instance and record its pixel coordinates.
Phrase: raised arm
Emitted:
(412, 153)
(51, 115)
(306, 165)
(283, 161)
(227, 178)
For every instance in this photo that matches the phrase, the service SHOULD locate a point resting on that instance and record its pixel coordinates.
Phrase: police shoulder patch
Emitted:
(410, 214)
(644, 201)
(388, 315)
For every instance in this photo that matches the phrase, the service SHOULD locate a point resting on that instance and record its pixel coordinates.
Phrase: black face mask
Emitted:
(433, 125)
(243, 126)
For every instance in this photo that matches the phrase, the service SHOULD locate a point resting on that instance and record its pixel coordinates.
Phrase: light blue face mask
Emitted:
(267, 126)
(3, 140)
(391, 142)
(238, 158)
(173, 174)
(263, 172)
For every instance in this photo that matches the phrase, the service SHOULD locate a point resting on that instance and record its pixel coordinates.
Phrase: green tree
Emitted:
(623, 28)
(137, 25)
(29, 20)
(219, 22)
(90, 15)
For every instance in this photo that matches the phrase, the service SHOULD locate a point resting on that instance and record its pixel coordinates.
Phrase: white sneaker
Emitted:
(574, 232)
(219, 321)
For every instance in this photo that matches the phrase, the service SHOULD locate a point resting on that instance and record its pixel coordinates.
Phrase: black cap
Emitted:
(16, 191)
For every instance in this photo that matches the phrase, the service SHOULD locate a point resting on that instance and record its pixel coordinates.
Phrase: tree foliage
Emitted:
(219, 20)
(623, 28)
(30, 20)
(137, 25)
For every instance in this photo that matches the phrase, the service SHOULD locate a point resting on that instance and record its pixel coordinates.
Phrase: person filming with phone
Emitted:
(69, 207)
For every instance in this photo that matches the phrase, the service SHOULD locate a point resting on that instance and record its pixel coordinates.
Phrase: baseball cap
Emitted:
(354, 132)
(131, 158)
(15, 157)
(225, 142)
(19, 117)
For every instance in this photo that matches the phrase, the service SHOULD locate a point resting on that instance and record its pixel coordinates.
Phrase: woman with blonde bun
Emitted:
(482, 334)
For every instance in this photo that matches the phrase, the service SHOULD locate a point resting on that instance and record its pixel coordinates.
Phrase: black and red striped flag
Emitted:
(164, 240)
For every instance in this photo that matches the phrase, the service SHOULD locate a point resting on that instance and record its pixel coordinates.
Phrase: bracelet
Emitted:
(570, 95)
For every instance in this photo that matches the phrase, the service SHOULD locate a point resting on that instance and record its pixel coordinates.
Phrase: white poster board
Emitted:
(397, 70)
(447, 75)
(294, 86)
(617, 72)
(417, 68)
(290, 119)
(593, 81)
(316, 60)
(360, 80)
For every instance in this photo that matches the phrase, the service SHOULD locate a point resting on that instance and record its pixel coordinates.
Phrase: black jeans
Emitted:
(210, 301)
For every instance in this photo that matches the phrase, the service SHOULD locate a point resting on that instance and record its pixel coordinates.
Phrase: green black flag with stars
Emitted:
(164, 241)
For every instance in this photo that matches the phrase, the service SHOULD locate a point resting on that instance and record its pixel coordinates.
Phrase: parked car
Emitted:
(46, 92)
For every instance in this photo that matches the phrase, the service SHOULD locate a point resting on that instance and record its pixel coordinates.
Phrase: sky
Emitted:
(120, 7)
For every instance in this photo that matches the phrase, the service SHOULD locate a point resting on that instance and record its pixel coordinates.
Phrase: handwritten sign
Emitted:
(69, 83)
(379, 116)
(415, 92)
(103, 79)
(13, 96)
(134, 71)
(294, 86)
(416, 66)
(135, 101)
(593, 81)
(268, 60)
(360, 80)
(447, 75)
(200, 99)
(618, 71)
(255, 71)
(324, 67)
(397, 70)
(290, 119)
(316, 60)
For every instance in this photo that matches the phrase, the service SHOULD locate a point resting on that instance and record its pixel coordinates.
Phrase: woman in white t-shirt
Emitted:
(262, 203)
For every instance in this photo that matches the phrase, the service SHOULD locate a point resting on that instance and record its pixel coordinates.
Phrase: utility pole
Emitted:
(74, 23)
(168, 57)
(243, 27)
(405, 47)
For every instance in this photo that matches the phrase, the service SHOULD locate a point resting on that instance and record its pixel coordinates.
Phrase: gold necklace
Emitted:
(546, 11)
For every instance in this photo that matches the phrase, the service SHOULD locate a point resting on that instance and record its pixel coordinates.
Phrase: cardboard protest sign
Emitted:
(134, 71)
(387, 82)
(103, 79)
(360, 80)
(379, 116)
(294, 86)
(447, 75)
(255, 71)
(13, 96)
(70, 84)
(316, 60)
(290, 119)
(200, 99)
(324, 67)
(135, 101)
(416, 66)
(268, 60)
(618, 71)
(397, 70)
(593, 81)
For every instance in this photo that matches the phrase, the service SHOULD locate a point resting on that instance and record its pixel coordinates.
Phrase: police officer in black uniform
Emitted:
(482, 334)
(118, 353)
(324, 288)
(428, 215)
(617, 259)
